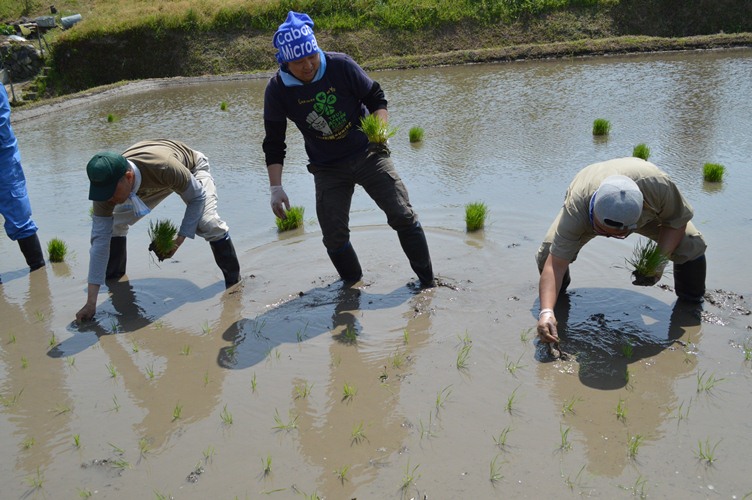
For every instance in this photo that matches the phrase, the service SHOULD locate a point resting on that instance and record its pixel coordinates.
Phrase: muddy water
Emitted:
(182, 389)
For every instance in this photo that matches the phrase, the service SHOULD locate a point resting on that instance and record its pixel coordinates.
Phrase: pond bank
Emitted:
(577, 48)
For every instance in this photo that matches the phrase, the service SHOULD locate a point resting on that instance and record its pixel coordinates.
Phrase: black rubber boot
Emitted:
(118, 258)
(226, 259)
(32, 251)
(689, 280)
(415, 246)
(346, 263)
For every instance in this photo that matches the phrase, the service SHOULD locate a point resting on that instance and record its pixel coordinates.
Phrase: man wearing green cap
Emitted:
(615, 198)
(125, 187)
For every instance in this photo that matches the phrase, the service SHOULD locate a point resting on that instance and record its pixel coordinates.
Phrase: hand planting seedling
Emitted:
(647, 263)
(162, 235)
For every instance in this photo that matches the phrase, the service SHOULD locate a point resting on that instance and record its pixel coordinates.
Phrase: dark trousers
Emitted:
(375, 172)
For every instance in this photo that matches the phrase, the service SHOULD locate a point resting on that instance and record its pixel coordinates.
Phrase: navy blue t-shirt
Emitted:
(327, 112)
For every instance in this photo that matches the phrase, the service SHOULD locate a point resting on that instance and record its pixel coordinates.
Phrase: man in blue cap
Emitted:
(14, 199)
(325, 94)
(125, 187)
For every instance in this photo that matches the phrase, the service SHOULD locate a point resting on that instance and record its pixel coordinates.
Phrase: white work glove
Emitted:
(279, 201)
(547, 326)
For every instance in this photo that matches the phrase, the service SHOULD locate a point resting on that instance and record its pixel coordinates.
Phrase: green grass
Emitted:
(641, 151)
(568, 406)
(162, 234)
(475, 215)
(501, 439)
(409, 477)
(634, 443)
(341, 473)
(376, 129)
(706, 451)
(707, 383)
(348, 392)
(281, 425)
(564, 443)
(463, 357)
(223, 105)
(267, 465)
(511, 403)
(358, 434)
(303, 390)
(495, 471)
(293, 219)
(112, 118)
(646, 259)
(177, 411)
(416, 134)
(601, 127)
(442, 397)
(627, 349)
(713, 172)
(226, 416)
(57, 249)
(621, 410)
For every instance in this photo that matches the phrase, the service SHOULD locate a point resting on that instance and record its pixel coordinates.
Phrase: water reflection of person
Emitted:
(33, 385)
(331, 435)
(614, 199)
(325, 94)
(607, 376)
(179, 379)
(15, 206)
(130, 314)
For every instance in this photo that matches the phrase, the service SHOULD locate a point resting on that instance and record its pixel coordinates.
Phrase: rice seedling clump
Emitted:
(646, 262)
(293, 220)
(475, 215)
(601, 126)
(416, 134)
(713, 172)
(376, 129)
(162, 235)
(57, 250)
(641, 151)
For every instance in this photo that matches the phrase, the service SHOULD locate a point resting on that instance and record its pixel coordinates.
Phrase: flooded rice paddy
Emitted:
(291, 386)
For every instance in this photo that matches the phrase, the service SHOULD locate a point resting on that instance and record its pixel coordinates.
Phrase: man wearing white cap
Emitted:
(615, 198)
(325, 94)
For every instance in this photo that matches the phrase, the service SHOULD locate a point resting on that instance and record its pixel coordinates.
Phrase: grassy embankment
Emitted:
(120, 40)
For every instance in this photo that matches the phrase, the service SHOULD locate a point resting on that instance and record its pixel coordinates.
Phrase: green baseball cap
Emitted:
(105, 171)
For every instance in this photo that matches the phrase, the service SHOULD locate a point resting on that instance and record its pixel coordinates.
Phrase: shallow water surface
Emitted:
(180, 388)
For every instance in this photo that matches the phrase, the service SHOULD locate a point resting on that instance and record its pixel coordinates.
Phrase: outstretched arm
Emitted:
(548, 290)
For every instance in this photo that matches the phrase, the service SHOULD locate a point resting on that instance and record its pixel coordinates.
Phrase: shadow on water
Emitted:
(137, 304)
(320, 310)
(606, 330)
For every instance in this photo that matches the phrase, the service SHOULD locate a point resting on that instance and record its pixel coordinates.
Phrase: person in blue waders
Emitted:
(325, 94)
(14, 198)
